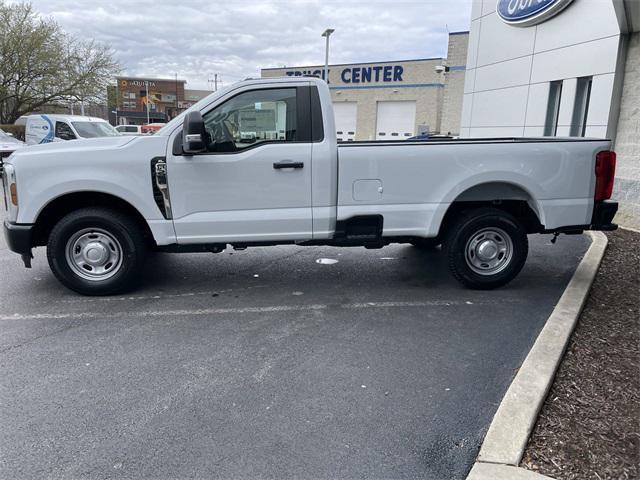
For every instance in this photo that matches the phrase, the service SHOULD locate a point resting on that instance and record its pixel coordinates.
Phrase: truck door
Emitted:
(254, 181)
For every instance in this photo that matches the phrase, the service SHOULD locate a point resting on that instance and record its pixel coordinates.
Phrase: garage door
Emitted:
(395, 120)
(346, 114)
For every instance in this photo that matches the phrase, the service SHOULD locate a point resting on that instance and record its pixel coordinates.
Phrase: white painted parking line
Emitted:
(160, 296)
(236, 310)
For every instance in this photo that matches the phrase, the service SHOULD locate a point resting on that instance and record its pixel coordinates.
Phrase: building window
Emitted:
(553, 109)
(581, 107)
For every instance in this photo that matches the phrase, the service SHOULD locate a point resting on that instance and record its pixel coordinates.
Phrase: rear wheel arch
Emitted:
(509, 197)
(61, 206)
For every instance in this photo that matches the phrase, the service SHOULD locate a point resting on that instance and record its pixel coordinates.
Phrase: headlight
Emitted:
(10, 191)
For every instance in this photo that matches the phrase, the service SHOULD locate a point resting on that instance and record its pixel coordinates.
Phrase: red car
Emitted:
(151, 128)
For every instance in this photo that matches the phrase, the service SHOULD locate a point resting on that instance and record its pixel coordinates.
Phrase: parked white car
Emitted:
(48, 128)
(130, 129)
(8, 145)
(257, 163)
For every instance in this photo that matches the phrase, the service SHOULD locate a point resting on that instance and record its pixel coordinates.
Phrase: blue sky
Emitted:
(236, 38)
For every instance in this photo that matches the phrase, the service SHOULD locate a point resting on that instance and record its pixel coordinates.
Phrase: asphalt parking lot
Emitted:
(265, 363)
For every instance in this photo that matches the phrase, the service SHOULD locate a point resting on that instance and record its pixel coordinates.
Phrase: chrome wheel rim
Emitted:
(94, 254)
(489, 251)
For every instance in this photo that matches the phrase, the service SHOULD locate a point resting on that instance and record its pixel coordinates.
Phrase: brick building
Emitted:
(164, 101)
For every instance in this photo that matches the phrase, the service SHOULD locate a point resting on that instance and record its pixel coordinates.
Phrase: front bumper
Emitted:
(20, 240)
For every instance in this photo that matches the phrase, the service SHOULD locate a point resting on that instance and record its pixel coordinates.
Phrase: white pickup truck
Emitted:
(258, 164)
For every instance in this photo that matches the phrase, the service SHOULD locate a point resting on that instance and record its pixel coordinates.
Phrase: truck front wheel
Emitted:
(96, 251)
(486, 248)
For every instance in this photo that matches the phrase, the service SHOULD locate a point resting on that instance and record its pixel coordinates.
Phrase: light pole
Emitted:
(117, 93)
(327, 33)
(146, 83)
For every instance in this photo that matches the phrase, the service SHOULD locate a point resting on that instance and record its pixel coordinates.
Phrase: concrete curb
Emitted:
(631, 229)
(515, 418)
(492, 471)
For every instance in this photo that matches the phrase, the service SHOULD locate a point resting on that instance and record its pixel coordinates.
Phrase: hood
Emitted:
(10, 146)
(9, 143)
(83, 144)
(82, 152)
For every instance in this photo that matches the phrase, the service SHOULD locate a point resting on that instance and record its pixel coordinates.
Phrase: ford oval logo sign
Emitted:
(525, 13)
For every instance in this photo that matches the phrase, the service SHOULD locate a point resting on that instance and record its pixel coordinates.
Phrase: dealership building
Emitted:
(559, 68)
(394, 100)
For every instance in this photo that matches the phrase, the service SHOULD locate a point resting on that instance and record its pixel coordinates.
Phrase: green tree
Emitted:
(41, 64)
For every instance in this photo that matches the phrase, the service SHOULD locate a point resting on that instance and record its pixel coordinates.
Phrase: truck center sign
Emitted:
(349, 75)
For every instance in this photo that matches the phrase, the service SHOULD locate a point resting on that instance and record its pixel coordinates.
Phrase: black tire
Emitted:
(106, 233)
(426, 244)
(497, 232)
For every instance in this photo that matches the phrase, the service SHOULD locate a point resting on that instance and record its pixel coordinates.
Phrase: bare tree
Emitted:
(41, 64)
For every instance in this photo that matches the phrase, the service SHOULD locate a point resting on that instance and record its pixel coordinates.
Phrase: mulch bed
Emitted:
(589, 426)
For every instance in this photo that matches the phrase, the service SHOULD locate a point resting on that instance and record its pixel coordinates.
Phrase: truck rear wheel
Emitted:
(96, 251)
(486, 248)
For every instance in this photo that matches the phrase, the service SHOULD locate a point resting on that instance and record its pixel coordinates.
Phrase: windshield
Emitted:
(95, 129)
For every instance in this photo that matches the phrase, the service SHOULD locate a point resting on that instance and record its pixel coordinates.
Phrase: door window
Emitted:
(252, 118)
(64, 132)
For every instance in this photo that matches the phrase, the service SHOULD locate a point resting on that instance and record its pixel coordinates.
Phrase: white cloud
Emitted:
(236, 38)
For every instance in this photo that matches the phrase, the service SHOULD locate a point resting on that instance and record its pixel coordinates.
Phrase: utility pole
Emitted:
(327, 33)
(176, 103)
(216, 82)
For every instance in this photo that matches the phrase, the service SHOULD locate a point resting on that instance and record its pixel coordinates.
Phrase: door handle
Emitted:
(286, 164)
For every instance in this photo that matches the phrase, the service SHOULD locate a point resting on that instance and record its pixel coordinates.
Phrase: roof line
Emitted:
(152, 79)
(356, 63)
(364, 87)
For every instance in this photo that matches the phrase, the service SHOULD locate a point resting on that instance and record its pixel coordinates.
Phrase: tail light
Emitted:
(605, 173)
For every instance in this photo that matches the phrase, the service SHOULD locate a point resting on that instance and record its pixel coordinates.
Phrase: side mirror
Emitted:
(193, 134)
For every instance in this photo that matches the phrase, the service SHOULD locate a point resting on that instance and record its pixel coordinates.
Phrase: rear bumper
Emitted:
(601, 219)
(20, 240)
(603, 213)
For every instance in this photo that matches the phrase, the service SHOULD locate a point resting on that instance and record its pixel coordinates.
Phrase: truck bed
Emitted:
(412, 183)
